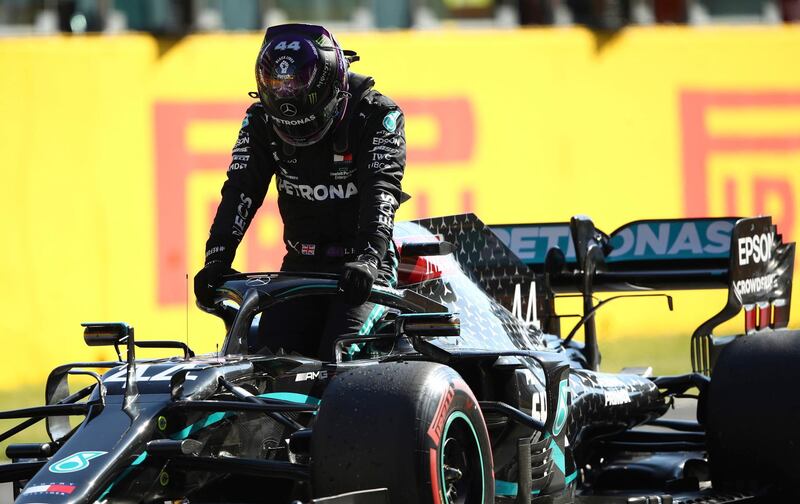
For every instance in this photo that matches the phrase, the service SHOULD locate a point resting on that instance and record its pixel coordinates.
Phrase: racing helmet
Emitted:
(301, 74)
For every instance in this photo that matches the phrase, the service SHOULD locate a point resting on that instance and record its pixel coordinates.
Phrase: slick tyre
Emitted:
(752, 413)
(414, 428)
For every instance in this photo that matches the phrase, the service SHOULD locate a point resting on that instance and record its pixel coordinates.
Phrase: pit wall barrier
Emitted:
(113, 151)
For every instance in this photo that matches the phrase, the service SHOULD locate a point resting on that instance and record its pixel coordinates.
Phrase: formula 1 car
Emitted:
(451, 397)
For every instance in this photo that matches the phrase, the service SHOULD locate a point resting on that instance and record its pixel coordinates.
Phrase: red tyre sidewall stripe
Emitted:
(436, 486)
(437, 425)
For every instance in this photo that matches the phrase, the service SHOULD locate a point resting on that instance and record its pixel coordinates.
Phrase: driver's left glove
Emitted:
(208, 279)
(357, 278)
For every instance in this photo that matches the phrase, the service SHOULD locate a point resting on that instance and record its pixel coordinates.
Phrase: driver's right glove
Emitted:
(208, 279)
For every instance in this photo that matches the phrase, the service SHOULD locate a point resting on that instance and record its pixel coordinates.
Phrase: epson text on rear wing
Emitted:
(745, 256)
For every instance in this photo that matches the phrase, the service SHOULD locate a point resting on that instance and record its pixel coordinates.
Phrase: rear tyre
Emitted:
(414, 428)
(752, 412)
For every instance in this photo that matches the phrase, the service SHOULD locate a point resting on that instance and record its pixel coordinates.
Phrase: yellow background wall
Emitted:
(562, 123)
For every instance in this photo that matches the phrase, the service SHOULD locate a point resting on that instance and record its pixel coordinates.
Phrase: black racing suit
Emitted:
(337, 200)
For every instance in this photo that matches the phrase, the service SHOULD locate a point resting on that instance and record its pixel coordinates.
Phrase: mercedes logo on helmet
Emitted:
(288, 110)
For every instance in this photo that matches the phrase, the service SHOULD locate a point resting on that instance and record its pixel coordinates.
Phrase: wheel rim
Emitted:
(461, 462)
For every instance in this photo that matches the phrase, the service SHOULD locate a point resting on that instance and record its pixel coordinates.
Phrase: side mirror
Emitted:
(428, 325)
(106, 333)
(116, 334)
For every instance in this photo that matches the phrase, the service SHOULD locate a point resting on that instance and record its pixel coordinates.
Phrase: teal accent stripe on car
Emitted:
(570, 478)
(354, 349)
(221, 415)
(202, 424)
(505, 488)
(558, 455)
(208, 421)
(127, 471)
(291, 397)
(374, 315)
(509, 488)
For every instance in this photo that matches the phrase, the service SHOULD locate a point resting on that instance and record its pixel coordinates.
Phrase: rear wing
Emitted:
(646, 254)
(745, 256)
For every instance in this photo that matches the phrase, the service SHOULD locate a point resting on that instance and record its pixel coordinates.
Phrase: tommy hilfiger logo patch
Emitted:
(50, 488)
(347, 157)
(342, 166)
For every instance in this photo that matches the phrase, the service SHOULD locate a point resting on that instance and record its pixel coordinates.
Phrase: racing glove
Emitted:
(208, 279)
(357, 278)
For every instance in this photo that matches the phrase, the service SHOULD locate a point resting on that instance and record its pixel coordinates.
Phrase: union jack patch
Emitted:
(308, 249)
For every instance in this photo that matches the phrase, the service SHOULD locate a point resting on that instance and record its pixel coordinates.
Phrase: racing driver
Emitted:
(336, 148)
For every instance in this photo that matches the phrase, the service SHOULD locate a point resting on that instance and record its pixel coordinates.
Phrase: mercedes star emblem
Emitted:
(288, 110)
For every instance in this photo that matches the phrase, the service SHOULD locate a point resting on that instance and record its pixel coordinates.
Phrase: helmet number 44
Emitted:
(282, 45)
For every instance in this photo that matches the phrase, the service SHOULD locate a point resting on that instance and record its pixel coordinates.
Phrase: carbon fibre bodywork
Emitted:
(237, 427)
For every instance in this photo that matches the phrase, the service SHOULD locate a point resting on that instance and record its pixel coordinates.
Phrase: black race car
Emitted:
(452, 397)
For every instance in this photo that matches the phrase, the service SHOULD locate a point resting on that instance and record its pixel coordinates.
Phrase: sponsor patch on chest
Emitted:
(320, 192)
(347, 157)
(343, 168)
